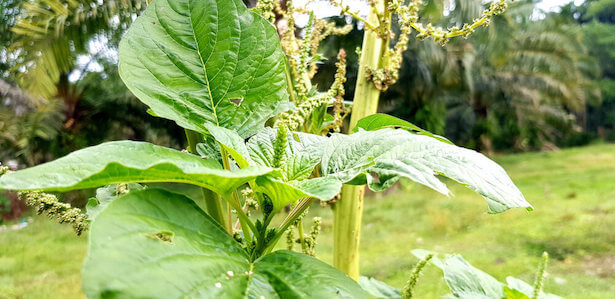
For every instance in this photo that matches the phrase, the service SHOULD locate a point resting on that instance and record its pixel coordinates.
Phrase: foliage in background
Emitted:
(60, 89)
(598, 24)
(221, 103)
(523, 83)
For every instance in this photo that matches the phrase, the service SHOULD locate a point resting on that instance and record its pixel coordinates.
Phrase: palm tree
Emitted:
(521, 81)
(51, 35)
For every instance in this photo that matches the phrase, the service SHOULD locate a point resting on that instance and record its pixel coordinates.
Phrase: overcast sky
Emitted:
(324, 9)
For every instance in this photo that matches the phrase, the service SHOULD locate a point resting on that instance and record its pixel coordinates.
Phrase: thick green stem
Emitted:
(348, 210)
(212, 200)
(214, 207)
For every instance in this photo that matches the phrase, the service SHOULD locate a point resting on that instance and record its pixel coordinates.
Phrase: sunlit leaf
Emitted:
(398, 153)
(128, 161)
(206, 61)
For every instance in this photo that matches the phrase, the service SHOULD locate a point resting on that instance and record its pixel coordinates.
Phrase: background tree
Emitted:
(598, 20)
(63, 55)
(523, 83)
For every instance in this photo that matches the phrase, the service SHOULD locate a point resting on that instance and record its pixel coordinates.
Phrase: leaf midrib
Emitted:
(198, 50)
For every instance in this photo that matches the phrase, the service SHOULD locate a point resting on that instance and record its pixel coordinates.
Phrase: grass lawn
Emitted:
(573, 192)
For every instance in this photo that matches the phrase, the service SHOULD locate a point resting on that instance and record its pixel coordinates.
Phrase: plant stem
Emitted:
(235, 198)
(211, 199)
(301, 236)
(348, 210)
(296, 212)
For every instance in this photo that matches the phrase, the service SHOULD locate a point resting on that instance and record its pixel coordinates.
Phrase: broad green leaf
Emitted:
(398, 153)
(233, 143)
(283, 193)
(514, 294)
(463, 279)
(105, 195)
(518, 285)
(378, 289)
(303, 152)
(158, 244)
(209, 149)
(205, 61)
(128, 161)
(380, 121)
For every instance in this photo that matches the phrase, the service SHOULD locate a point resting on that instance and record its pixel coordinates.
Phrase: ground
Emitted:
(573, 193)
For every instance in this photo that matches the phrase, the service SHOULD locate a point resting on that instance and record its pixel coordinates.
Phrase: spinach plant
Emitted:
(218, 70)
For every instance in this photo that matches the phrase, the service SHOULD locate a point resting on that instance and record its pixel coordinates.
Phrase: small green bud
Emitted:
(290, 239)
(279, 147)
(267, 205)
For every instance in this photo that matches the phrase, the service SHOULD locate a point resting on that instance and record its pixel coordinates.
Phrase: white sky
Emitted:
(553, 5)
(324, 9)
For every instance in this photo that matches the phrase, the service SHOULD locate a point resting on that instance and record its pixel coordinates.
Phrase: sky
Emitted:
(553, 5)
(324, 9)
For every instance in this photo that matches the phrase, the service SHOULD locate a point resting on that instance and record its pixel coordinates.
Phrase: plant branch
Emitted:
(212, 201)
(355, 15)
(292, 216)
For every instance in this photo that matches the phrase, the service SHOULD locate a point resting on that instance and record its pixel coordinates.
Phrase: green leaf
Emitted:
(514, 294)
(104, 196)
(380, 121)
(128, 161)
(283, 193)
(158, 244)
(519, 286)
(380, 158)
(232, 143)
(378, 289)
(303, 152)
(205, 61)
(301, 157)
(463, 279)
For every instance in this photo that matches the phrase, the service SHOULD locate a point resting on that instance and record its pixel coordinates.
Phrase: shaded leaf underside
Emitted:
(154, 243)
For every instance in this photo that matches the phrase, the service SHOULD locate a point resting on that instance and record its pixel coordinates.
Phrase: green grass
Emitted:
(573, 192)
(42, 260)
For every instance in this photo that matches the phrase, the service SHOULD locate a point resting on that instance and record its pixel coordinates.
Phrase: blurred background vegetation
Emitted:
(532, 81)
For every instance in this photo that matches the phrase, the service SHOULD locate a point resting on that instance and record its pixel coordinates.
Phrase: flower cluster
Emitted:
(339, 107)
(279, 146)
(408, 16)
(307, 241)
(63, 212)
(408, 289)
(442, 36)
(303, 58)
(3, 169)
(295, 118)
(265, 8)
